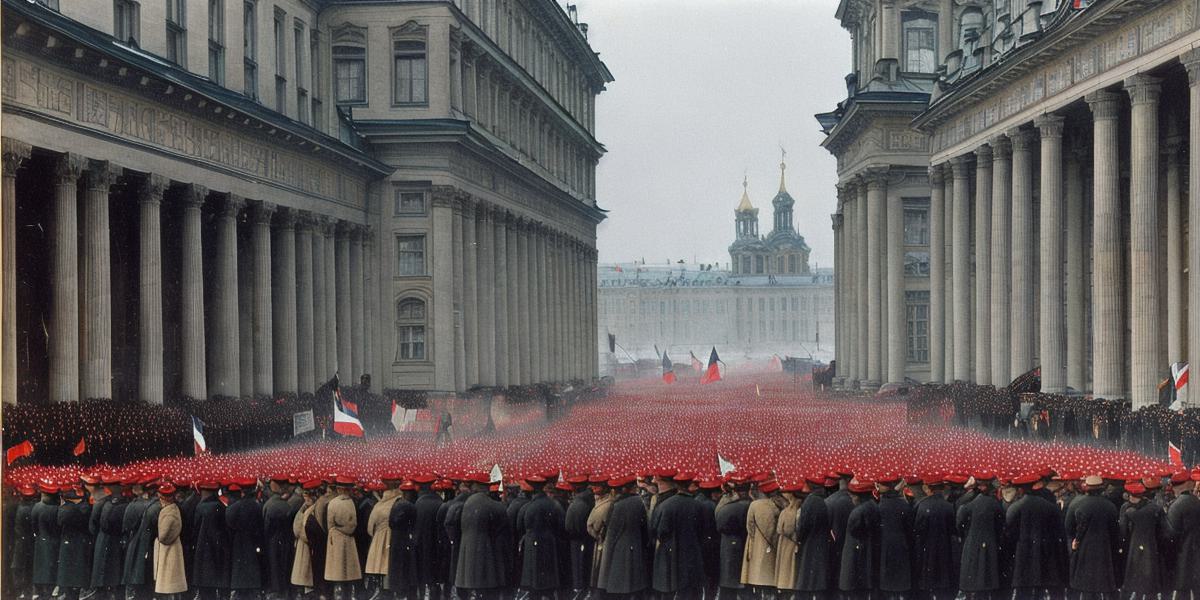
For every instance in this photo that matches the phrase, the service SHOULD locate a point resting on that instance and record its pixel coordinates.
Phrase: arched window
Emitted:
(350, 64)
(920, 42)
(410, 329)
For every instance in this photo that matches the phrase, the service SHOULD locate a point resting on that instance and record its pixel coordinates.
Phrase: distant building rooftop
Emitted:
(636, 274)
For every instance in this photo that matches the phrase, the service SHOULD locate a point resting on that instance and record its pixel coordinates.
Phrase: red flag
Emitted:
(1174, 453)
(668, 368)
(713, 372)
(80, 448)
(21, 450)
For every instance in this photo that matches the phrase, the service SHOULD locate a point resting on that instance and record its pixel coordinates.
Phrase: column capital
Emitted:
(285, 218)
(152, 188)
(323, 224)
(837, 221)
(983, 154)
(1105, 105)
(960, 166)
(305, 221)
(68, 168)
(1021, 139)
(936, 175)
(357, 232)
(193, 195)
(100, 175)
(1191, 61)
(341, 229)
(232, 206)
(1049, 125)
(442, 196)
(875, 177)
(15, 154)
(1001, 147)
(261, 212)
(1143, 89)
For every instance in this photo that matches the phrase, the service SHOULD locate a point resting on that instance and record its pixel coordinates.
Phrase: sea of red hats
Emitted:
(762, 425)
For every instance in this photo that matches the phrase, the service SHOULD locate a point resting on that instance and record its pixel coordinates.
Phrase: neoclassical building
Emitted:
(404, 190)
(1060, 152)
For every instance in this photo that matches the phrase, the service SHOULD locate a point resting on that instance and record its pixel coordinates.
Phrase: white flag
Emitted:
(725, 466)
(1179, 372)
(497, 476)
(758, 390)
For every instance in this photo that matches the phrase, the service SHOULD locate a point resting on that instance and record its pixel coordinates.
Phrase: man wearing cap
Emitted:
(365, 499)
(706, 493)
(427, 503)
(758, 563)
(814, 542)
(623, 565)
(482, 561)
(597, 527)
(933, 533)
(301, 574)
(731, 524)
(342, 567)
(786, 549)
(1143, 525)
(582, 545)
(20, 562)
(542, 535)
(210, 562)
(75, 544)
(170, 576)
(449, 519)
(380, 533)
(139, 554)
(1033, 532)
(1183, 518)
(857, 576)
(895, 539)
(403, 578)
(839, 504)
(45, 541)
(279, 543)
(517, 501)
(188, 498)
(1092, 527)
(244, 518)
(981, 523)
(106, 554)
(674, 527)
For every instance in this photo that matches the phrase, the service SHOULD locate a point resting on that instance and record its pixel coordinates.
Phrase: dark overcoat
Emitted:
(860, 553)
(483, 555)
(279, 544)
(895, 543)
(710, 539)
(1033, 531)
(362, 535)
(1092, 526)
(814, 539)
(933, 545)
(1143, 531)
(318, 541)
(21, 561)
(45, 543)
(187, 537)
(1183, 518)
(731, 524)
(108, 555)
(981, 524)
(131, 533)
(624, 566)
(244, 518)
(581, 544)
(210, 562)
(839, 505)
(542, 521)
(403, 567)
(426, 532)
(75, 545)
(450, 517)
(675, 526)
(139, 565)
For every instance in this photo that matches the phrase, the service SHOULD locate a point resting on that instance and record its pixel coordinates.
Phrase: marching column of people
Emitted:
(658, 535)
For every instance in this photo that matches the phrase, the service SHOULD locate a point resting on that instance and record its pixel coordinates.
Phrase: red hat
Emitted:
(1152, 483)
(664, 473)
(247, 482)
(166, 489)
(1027, 479)
(862, 487)
(932, 479)
(47, 488)
(279, 478)
(210, 484)
(562, 485)
(597, 479)
(234, 487)
(983, 476)
(495, 487)
(577, 479)
(28, 490)
(311, 484)
(888, 480)
(110, 479)
(424, 478)
(913, 480)
(760, 477)
(532, 479)
(391, 476)
(1179, 477)
(710, 484)
(1196, 474)
(621, 481)
(374, 486)
(408, 486)
(792, 488)
(89, 479)
(344, 481)
(1135, 488)
(768, 487)
(683, 477)
(957, 478)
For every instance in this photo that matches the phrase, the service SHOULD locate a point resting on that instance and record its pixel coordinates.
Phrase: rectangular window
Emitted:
(916, 226)
(216, 41)
(411, 342)
(280, 62)
(350, 74)
(298, 43)
(792, 263)
(125, 20)
(409, 203)
(314, 81)
(916, 264)
(176, 32)
(917, 307)
(410, 255)
(759, 265)
(410, 72)
(920, 43)
(250, 47)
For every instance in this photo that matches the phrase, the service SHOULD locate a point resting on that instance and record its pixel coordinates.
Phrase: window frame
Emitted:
(250, 48)
(402, 237)
(914, 302)
(279, 31)
(176, 32)
(338, 57)
(216, 41)
(412, 57)
(408, 348)
(912, 16)
(133, 20)
(397, 202)
(916, 206)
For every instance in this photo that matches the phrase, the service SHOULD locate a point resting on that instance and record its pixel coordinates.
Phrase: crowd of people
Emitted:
(661, 534)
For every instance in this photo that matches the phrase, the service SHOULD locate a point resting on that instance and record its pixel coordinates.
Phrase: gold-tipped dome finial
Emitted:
(745, 205)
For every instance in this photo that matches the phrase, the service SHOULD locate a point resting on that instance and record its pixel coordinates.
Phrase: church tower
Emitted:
(746, 251)
(783, 204)
(746, 216)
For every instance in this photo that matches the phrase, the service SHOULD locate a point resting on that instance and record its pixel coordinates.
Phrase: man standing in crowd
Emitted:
(482, 560)
(170, 577)
(542, 535)
(403, 566)
(1033, 533)
(731, 524)
(45, 541)
(758, 564)
(674, 527)
(342, 568)
(428, 505)
(279, 541)
(624, 571)
(1095, 538)
(581, 544)
(75, 547)
(210, 563)
(244, 519)
(857, 578)
(980, 521)
(380, 532)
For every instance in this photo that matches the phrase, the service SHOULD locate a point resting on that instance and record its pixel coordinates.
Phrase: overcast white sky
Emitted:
(705, 91)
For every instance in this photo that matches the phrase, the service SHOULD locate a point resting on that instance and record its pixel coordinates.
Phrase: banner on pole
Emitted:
(303, 422)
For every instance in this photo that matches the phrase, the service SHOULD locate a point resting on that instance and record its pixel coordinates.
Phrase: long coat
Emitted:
(895, 543)
(45, 543)
(301, 573)
(624, 567)
(981, 523)
(427, 505)
(131, 531)
(362, 537)
(139, 557)
(582, 545)
(482, 556)
(107, 555)
(380, 533)
(542, 521)
(1143, 530)
(758, 563)
(318, 540)
(1093, 528)
(860, 553)
(210, 562)
(710, 540)
(244, 518)
(278, 544)
(451, 521)
(815, 541)
(403, 568)
(933, 545)
(1034, 532)
(839, 505)
(675, 528)
(21, 562)
(786, 549)
(597, 526)
(513, 513)
(341, 552)
(731, 524)
(75, 545)
(170, 575)
(1183, 518)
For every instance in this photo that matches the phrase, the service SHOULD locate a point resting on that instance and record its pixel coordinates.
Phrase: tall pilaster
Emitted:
(960, 167)
(1191, 59)
(1108, 324)
(471, 337)
(848, 307)
(306, 361)
(334, 363)
(321, 372)
(485, 284)
(1143, 239)
(150, 288)
(525, 364)
(948, 269)
(536, 323)
(983, 266)
(552, 310)
(863, 279)
(96, 330)
(876, 203)
(1076, 278)
(192, 358)
(1023, 261)
(1050, 266)
(937, 275)
(283, 303)
(839, 314)
(894, 294)
(15, 155)
(1176, 275)
(500, 270)
(512, 289)
(342, 302)
(264, 361)
(224, 353)
(459, 299)
(245, 277)
(1001, 279)
(64, 269)
(358, 333)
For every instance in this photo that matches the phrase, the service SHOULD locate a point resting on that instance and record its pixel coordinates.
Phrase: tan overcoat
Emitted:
(302, 574)
(341, 555)
(786, 550)
(597, 524)
(758, 561)
(381, 534)
(170, 576)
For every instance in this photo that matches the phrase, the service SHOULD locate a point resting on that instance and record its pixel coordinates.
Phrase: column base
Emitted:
(869, 386)
(839, 383)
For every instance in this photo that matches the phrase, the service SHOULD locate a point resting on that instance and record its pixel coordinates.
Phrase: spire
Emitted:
(745, 205)
(782, 170)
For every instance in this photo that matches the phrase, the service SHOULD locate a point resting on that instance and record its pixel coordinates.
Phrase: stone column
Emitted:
(342, 302)
(486, 286)
(1143, 239)
(947, 267)
(64, 269)
(937, 275)
(224, 354)
(458, 284)
(150, 288)
(511, 306)
(333, 362)
(1076, 281)
(1176, 275)
(15, 155)
(358, 334)
(1108, 324)
(1001, 271)
(960, 167)
(863, 279)
(1191, 59)
(1050, 280)
(525, 349)
(192, 296)
(894, 295)
(246, 307)
(283, 304)
(264, 362)
(839, 314)
(96, 295)
(306, 362)
(536, 276)
(1023, 335)
(500, 269)
(554, 284)
(848, 307)
(471, 337)
(320, 361)
(983, 266)
(876, 199)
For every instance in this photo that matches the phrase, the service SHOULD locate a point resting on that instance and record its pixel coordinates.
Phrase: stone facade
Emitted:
(183, 218)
